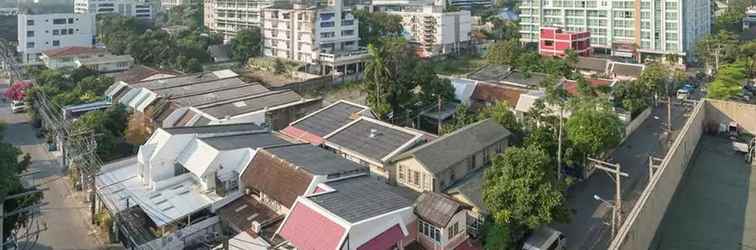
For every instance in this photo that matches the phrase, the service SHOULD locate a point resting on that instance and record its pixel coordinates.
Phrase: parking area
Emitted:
(715, 205)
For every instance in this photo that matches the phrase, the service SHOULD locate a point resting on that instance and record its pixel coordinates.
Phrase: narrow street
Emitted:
(590, 228)
(65, 216)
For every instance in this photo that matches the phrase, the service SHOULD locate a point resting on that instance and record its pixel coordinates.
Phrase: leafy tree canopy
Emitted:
(594, 128)
(374, 26)
(247, 43)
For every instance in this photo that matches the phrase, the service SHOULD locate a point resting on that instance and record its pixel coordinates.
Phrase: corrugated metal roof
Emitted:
(358, 198)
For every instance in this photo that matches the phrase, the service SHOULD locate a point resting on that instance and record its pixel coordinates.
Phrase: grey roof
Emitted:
(250, 104)
(443, 152)
(437, 209)
(172, 82)
(592, 64)
(214, 129)
(208, 97)
(328, 119)
(503, 74)
(357, 137)
(200, 87)
(220, 53)
(626, 69)
(253, 140)
(359, 198)
(316, 160)
(106, 59)
(471, 187)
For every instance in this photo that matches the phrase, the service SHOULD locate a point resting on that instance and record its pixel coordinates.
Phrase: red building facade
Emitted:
(554, 42)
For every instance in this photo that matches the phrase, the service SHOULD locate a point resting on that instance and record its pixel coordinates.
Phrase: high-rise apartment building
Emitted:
(37, 33)
(229, 16)
(647, 26)
(142, 9)
(312, 33)
(434, 30)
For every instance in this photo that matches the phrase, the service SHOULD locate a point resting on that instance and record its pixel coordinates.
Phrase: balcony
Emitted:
(340, 57)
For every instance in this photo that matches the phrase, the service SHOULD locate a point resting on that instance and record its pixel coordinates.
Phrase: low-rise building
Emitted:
(40, 32)
(555, 42)
(97, 59)
(441, 221)
(171, 190)
(352, 213)
(373, 143)
(107, 63)
(138, 73)
(316, 125)
(506, 76)
(325, 35)
(438, 164)
(142, 9)
(571, 87)
(605, 68)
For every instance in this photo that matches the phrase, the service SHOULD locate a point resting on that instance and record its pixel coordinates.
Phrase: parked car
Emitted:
(18, 106)
(545, 238)
(683, 94)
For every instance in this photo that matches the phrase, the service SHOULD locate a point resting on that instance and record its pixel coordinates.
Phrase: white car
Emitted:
(18, 106)
(545, 238)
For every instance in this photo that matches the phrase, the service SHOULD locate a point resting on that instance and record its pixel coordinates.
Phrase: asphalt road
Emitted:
(65, 216)
(589, 228)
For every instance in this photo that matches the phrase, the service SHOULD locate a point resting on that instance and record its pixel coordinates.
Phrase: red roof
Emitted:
(494, 93)
(571, 86)
(71, 51)
(385, 240)
(303, 135)
(305, 228)
(469, 244)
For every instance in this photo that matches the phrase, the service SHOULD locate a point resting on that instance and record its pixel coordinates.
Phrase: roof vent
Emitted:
(374, 133)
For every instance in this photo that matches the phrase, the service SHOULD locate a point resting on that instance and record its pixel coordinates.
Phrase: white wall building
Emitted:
(143, 9)
(37, 33)
(654, 27)
(435, 31)
(229, 16)
(168, 4)
(314, 34)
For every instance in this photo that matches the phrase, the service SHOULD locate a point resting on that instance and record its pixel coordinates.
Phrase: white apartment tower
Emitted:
(325, 35)
(434, 30)
(229, 16)
(168, 4)
(37, 33)
(651, 26)
(142, 9)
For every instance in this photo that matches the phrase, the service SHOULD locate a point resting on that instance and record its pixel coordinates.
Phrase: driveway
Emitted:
(65, 216)
(589, 228)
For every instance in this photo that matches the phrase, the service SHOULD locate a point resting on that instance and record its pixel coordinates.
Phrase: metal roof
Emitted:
(471, 187)
(200, 87)
(359, 198)
(172, 82)
(316, 160)
(326, 120)
(372, 138)
(436, 209)
(211, 129)
(220, 95)
(253, 140)
(250, 104)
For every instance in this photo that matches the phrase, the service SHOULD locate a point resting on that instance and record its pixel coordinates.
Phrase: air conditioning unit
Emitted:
(256, 227)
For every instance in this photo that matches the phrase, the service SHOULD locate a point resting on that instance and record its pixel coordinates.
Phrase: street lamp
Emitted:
(614, 212)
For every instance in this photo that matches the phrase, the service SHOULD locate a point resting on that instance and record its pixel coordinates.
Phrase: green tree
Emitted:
(594, 129)
(655, 80)
(504, 52)
(520, 188)
(462, 117)
(246, 44)
(11, 183)
(502, 113)
(498, 237)
(728, 81)
(109, 126)
(375, 26)
(717, 48)
(390, 80)
(432, 88)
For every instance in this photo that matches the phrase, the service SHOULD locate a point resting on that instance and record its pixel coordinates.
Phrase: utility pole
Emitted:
(669, 115)
(438, 118)
(615, 172)
(653, 167)
(559, 145)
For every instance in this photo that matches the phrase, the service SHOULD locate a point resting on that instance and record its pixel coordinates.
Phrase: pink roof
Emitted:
(302, 135)
(571, 86)
(305, 228)
(385, 240)
(469, 244)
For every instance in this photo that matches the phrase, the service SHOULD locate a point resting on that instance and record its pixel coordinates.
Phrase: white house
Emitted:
(37, 33)
(142, 9)
(97, 59)
(177, 181)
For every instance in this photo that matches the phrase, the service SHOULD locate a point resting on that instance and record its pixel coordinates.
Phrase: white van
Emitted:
(682, 94)
(18, 106)
(545, 238)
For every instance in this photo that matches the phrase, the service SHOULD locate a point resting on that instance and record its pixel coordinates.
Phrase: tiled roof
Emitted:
(140, 72)
(442, 153)
(385, 240)
(493, 93)
(592, 64)
(571, 86)
(372, 138)
(359, 198)
(627, 69)
(436, 209)
(306, 228)
(276, 178)
(72, 51)
(316, 160)
(470, 187)
(330, 118)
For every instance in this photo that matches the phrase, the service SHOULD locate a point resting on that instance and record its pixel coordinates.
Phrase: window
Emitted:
(30, 34)
(429, 231)
(30, 22)
(401, 173)
(59, 21)
(327, 24)
(415, 177)
(30, 45)
(453, 230)
(56, 32)
(70, 20)
(56, 43)
(70, 31)
(179, 169)
(548, 43)
(64, 32)
(347, 32)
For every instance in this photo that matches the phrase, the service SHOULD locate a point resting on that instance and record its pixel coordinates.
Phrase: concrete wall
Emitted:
(725, 112)
(640, 225)
(635, 123)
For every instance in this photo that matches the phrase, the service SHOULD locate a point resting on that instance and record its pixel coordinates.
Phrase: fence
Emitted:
(639, 229)
(187, 236)
(636, 123)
